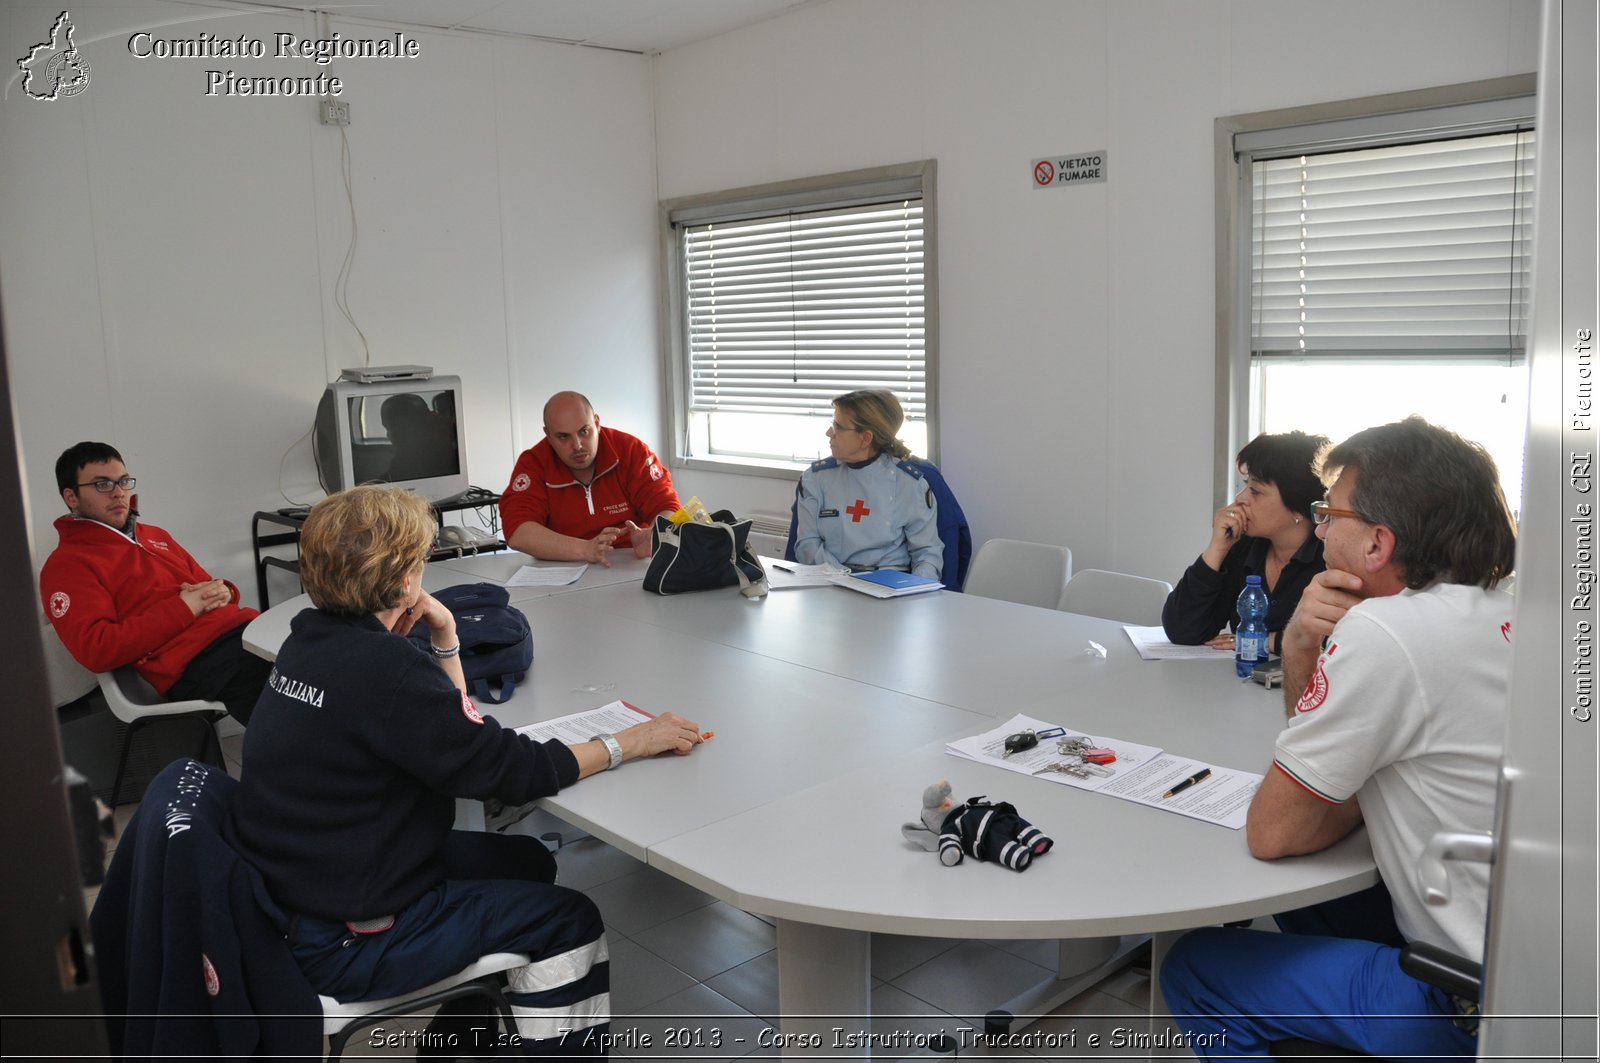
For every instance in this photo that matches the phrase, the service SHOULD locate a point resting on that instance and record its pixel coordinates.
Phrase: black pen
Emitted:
(1198, 776)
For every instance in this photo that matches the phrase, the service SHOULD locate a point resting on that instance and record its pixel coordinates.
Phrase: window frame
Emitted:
(1394, 117)
(809, 193)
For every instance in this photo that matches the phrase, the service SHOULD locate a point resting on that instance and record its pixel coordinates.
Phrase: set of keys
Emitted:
(1085, 759)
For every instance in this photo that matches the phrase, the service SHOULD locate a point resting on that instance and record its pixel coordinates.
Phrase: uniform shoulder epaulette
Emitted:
(910, 465)
(824, 463)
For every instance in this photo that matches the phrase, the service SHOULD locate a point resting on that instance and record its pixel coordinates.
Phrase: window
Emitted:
(1382, 269)
(786, 296)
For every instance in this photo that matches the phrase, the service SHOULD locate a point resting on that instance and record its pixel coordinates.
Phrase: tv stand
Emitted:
(293, 517)
(471, 498)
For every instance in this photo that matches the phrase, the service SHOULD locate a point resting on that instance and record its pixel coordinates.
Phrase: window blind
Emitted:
(785, 312)
(1416, 249)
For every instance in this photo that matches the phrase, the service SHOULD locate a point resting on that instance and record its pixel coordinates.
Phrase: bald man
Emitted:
(583, 489)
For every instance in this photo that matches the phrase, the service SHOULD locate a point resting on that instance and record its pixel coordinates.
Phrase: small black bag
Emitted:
(496, 642)
(697, 557)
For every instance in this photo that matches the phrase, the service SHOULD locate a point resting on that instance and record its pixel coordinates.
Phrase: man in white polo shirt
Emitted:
(1398, 661)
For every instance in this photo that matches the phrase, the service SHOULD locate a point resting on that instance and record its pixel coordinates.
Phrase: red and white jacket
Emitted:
(114, 600)
(630, 483)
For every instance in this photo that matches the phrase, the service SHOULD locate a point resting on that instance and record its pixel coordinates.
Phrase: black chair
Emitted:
(1428, 963)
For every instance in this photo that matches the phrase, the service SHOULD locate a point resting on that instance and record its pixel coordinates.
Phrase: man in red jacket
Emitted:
(583, 489)
(121, 593)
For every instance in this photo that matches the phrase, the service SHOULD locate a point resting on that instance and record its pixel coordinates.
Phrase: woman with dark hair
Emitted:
(863, 508)
(1265, 531)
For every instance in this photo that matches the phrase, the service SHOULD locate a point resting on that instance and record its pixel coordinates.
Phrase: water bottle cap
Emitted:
(1253, 580)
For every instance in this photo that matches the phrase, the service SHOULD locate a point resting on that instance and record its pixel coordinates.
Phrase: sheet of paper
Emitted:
(1153, 645)
(987, 748)
(581, 726)
(546, 575)
(791, 575)
(1223, 797)
(1141, 774)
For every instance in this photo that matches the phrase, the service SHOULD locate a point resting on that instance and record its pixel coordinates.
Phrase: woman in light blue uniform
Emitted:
(867, 507)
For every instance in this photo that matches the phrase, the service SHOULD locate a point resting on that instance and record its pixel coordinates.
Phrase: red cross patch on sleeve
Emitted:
(1316, 691)
(209, 973)
(469, 710)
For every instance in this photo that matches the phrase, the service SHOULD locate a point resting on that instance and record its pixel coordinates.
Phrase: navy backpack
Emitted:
(496, 642)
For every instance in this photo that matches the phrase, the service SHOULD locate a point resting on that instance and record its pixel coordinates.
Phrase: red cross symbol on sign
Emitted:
(858, 510)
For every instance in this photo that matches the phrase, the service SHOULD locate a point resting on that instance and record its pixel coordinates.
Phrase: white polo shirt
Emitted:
(1407, 710)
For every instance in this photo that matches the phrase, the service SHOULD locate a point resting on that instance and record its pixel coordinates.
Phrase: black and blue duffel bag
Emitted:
(496, 642)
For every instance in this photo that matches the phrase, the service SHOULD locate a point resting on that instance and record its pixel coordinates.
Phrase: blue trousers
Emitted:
(1333, 976)
(504, 900)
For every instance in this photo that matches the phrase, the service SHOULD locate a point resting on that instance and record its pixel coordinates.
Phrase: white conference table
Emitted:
(767, 714)
(831, 710)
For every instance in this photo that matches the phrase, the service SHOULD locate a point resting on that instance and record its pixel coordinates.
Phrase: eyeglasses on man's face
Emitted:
(1322, 512)
(105, 485)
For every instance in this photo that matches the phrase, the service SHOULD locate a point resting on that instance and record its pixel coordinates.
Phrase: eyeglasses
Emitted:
(836, 427)
(105, 486)
(1322, 512)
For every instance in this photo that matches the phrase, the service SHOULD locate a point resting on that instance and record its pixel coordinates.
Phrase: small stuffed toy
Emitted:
(936, 804)
(980, 829)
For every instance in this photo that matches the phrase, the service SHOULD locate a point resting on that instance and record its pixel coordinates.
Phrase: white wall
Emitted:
(168, 260)
(1076, 372)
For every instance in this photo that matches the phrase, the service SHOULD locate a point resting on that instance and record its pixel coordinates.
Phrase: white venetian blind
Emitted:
(1417, 249)
(784, 312)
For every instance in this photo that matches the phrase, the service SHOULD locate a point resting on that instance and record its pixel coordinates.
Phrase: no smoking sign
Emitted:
(1078, 168)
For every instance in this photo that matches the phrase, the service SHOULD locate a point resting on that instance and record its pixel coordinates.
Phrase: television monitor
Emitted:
(403, 432)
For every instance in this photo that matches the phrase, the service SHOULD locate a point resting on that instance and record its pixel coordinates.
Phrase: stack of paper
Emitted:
(580, 727)
(887, 583)
(792, 575)
(884, 583)
(1142, 774)
(1153, 645)
(546, 575)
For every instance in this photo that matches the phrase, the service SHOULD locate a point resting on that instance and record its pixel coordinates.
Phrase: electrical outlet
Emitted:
(335, 112)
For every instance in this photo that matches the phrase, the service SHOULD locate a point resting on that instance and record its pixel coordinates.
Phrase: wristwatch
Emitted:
(613, 747)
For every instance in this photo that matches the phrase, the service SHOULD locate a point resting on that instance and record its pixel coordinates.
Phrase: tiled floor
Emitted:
(681, 959)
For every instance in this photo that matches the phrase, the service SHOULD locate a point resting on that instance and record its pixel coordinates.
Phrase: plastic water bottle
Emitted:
(1250, 641)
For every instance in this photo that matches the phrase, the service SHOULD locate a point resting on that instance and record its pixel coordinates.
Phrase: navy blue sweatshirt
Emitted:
(356, 753)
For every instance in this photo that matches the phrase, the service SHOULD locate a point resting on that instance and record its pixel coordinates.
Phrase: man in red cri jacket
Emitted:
(119, 592)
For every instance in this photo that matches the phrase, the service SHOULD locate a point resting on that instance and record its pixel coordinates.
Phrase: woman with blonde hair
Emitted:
(358, 748)
(867, 506)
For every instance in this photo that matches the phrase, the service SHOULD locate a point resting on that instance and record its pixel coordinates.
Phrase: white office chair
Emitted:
(69, 680)
(136, 703)
(1016, 571)
(343, 1019)
(1115, 596)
